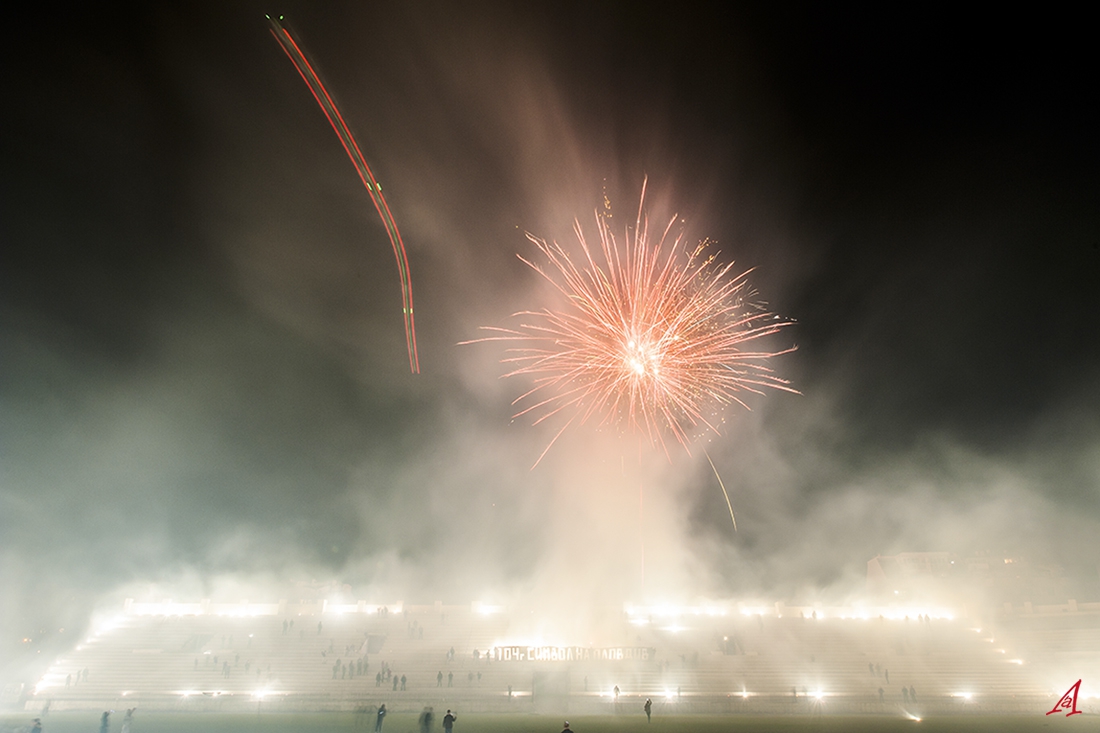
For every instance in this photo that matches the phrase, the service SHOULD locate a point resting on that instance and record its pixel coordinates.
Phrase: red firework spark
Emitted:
(651, 338)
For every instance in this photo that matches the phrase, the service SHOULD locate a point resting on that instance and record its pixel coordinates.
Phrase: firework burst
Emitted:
(651, 337)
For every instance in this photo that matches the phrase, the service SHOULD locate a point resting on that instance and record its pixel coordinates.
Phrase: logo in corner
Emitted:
(1068, 701)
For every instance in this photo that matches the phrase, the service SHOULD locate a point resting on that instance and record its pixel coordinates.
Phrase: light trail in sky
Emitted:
(340, 127)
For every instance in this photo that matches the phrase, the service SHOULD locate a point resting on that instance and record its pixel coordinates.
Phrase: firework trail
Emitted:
(652, 338)
(722, 485)
(328, 106)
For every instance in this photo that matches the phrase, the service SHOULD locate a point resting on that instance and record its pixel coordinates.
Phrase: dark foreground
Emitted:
(407, 723)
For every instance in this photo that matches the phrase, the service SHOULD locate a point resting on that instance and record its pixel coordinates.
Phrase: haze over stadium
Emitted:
(206, 388)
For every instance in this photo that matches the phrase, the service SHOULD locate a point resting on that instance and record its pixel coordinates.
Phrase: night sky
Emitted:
(203, 379)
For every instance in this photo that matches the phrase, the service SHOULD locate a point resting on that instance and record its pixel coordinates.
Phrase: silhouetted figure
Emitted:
(37, 727)
(887, 675)
(426, 720)
(381, 716)
(567, 729)
(648, 707)
(395, 681)
(449, 721)
(450, 679)
(378, 680)
(439, 679)
(105, 722)
(127, 720)
(616, 692)
(881, 695)
(403, 680)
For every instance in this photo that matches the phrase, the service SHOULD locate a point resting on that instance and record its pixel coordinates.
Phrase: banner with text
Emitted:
(570, 653)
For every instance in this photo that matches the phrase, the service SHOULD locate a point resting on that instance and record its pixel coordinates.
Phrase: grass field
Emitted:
(503, 723)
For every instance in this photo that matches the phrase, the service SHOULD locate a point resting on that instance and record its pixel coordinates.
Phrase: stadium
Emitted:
(329, 655)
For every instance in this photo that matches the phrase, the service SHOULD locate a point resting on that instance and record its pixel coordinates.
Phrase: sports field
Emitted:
(503, 723)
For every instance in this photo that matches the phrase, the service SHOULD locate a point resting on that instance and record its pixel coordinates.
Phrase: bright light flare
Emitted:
(651, 337)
